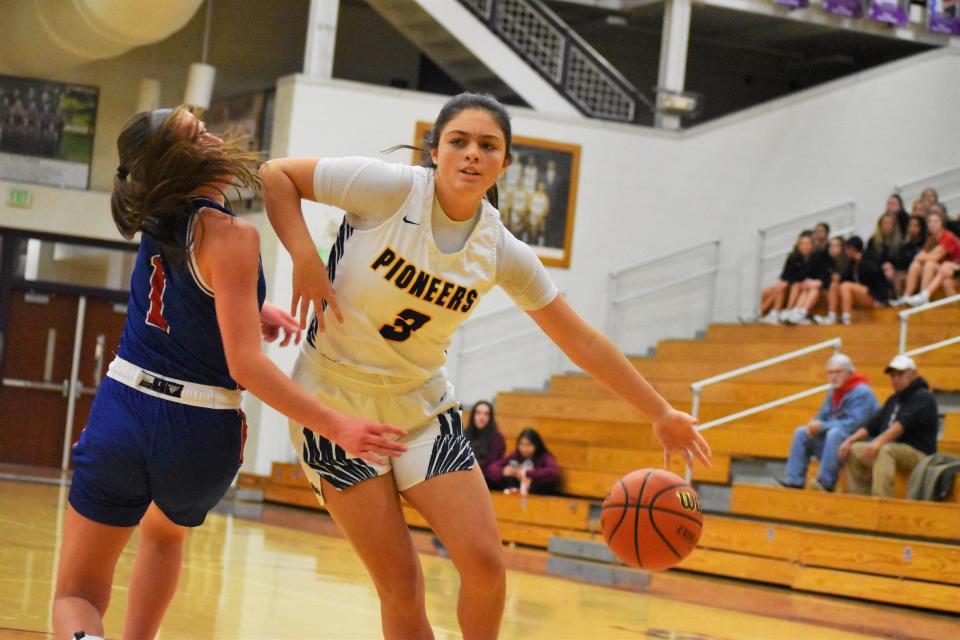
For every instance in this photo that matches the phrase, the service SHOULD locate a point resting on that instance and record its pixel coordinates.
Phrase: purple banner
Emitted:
(793, 4)
(943, 17)
(890, 11)
(847, 8)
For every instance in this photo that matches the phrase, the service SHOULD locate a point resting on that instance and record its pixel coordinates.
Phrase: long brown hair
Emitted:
(891, 241)
(159, 170)
(932, 241)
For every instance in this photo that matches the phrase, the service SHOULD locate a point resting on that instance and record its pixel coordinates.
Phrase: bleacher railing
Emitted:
(905, 318)
(563, 58)
(698, 386)
(777, 240)
(945, 181)
(629, 287)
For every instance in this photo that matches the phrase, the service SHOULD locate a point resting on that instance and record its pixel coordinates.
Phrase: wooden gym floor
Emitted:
(286, 574)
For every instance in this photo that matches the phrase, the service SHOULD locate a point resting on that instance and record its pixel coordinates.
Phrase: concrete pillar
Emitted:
(321, 38)
(673, 53)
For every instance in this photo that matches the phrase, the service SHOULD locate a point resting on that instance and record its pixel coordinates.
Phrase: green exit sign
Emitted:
(19, 198)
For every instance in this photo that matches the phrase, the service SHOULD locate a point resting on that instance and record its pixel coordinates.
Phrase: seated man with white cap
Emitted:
(901, 434)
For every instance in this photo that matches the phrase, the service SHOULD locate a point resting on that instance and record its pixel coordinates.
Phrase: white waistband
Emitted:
(166, 388)
(372, 383)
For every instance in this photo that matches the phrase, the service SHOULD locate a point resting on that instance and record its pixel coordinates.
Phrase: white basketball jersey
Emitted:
(402, 298)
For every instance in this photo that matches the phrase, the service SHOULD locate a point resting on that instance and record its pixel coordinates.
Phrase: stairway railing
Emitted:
(574, 68)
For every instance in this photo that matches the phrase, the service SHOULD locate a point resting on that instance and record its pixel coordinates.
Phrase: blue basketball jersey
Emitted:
(171, 326)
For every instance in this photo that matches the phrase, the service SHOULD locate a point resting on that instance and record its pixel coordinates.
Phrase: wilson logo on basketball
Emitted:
(689, 501)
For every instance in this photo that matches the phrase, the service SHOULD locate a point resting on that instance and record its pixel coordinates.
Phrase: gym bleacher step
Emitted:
(591, 562)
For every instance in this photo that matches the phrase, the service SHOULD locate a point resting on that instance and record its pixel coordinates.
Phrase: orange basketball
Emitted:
(651, 519)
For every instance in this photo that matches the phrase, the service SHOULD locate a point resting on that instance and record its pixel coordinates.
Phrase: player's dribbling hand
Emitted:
(367, 439)
(676, 432)
(274, 320)
(311, 283)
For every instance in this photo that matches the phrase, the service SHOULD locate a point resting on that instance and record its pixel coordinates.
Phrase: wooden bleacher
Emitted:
(887, 550)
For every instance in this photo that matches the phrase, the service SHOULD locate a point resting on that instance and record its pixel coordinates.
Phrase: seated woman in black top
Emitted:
(796, 269)
(862, 283)
(909, 247)
(485, 438)
(884, 244)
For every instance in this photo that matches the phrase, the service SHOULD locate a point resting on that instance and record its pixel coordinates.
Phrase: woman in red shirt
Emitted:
(935, 265)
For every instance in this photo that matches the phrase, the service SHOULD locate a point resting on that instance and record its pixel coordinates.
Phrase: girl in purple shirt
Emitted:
(532, 461)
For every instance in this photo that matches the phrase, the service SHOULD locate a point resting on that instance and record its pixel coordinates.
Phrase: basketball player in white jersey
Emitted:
(417, 249)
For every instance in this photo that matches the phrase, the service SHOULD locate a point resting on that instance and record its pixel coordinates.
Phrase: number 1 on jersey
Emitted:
(406, 322)
(158, 285)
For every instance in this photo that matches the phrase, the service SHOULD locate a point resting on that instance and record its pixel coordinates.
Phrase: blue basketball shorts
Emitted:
(137, 449)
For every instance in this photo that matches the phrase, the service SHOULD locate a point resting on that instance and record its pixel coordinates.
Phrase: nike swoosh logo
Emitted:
(410, 221)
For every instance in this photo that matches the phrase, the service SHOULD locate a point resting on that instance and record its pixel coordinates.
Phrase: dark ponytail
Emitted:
(455, 105)
(160, 167)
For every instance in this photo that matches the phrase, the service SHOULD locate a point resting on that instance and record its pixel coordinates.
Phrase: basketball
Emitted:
(651, 519)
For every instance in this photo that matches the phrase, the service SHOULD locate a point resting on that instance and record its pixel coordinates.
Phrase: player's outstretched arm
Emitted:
(599, 357)
(228, 256)
(285, 182)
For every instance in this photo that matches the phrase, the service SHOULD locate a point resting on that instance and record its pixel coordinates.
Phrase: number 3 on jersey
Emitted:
(158, 285)
(406, 322)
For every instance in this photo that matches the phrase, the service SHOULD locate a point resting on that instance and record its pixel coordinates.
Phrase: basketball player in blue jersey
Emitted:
(165, 435)
(416, 250)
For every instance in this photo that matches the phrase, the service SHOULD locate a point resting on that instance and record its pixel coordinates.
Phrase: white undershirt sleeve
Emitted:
(521, 274)
(368, 189)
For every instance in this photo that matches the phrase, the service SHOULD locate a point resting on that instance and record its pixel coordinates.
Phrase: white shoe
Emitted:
(919, 299)
(830, 318)
(748, 318)
(845, 318)
(799, 316)
(785, 315)
(770, 318)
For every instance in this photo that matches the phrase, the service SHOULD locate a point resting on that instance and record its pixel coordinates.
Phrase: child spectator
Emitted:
(821, 235)
(929, 196)
(485, 438)
(530, 465)
(934, 265)
(796, 269)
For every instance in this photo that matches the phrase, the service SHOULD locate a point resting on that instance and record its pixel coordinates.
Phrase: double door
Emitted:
(56, 349)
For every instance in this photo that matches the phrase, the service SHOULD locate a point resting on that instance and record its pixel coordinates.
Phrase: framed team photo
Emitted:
(538, 194)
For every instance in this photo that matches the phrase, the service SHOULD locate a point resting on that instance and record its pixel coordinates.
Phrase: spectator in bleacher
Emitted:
(895, 207)
(796, 268)
(848, 404)
(919, 209)
(818, 279)
(821, 235)
(901, 434)
(952, 225)
(530, 466)
(909, 247)
(884, 244)
(485, 438)
(836, 265)
(862, 283)
(929, 196)
(935, 265)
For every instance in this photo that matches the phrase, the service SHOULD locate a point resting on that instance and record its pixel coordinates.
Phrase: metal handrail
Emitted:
(899, 187)
(818, 212)
(615, 300)
(571, 40)
(762, 407)
(906, 313)
(697, 387)
(664, 285)
(666, 256)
